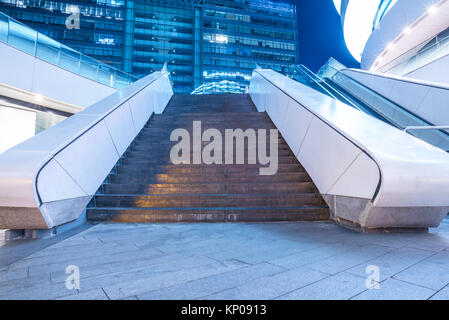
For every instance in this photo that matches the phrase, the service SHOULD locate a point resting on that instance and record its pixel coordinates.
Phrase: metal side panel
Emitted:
(49, 179)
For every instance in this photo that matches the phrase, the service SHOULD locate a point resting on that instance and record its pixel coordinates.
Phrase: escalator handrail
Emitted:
(313, 76)
(386, 99)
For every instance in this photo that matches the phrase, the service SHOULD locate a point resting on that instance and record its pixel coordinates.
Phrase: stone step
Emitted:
(165, 152)
(259, 116)
(237, 177)
(135, 215)
(209, 200)
(164, 137)
(209, 188)
(167, 145)
(202, 169)
(152, 161)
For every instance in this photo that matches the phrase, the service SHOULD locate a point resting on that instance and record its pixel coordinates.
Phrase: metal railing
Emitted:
(382, 108)
(28, 40)
(426, 128)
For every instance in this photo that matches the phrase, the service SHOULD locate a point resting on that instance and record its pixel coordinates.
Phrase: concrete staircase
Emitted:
(146, 187)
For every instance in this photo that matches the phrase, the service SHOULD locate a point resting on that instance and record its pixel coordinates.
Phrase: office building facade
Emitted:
(203, 41)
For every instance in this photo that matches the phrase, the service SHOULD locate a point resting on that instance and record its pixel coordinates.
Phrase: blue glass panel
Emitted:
(3, 28)
(22, 37)
(69, 59)
(106, 75)
(47, 49)
(89, 68)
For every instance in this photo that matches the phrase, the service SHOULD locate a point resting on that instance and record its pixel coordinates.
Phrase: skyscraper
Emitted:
(203, 41)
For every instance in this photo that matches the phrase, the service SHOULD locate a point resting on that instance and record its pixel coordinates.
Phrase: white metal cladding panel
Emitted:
(434, 71)
(405, 94)
(421, 180)
(89, 159)
(164, 94)
(363, 167)
(71, 159)
(65, 188)
(141, 109)
(121, 127)
(277, 105)
(435, 107)
(255, 91)
(153, 96)
(271, 93)
(14, 65)
(296, 121)
(17, 171)
(325, 154)
(349, 153)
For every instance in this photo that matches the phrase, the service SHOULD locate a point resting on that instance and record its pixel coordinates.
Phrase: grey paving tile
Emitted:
(430, 242)
(95, 294)
(227, 261)
(152, 271)
(280, 250)
(24, 284)
(7, 275)
(311, 256)
(271, 287)
(393, 262)
(99, 259)
(443, 294)
(348, 259)
(130, 298)
(341, 286)
(136, 286)
(212, 284)
(71, 255)
(44, 292)
(69, 249)
(431, 273)
(392, 289)
(125, 264)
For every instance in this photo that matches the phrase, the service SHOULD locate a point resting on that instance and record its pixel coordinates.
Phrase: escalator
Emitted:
(328, 87)
(349, 91)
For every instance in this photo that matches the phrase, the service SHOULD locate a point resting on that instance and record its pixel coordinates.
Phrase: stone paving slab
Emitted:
(215, 283)
(271, 287)
(228, 261)
(393, 289)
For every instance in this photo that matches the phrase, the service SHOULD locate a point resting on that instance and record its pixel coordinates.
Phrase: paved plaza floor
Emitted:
(227, 261)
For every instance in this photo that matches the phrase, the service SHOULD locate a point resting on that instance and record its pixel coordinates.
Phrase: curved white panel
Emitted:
(295, 124)
(67, 187)
(326, 155)
(366, 169)
(57, 171)
(141, 108)
(121, 128)
(78, 157)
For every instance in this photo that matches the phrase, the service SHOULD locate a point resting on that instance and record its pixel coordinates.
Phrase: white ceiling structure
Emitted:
(405, 25)
(408, 24)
